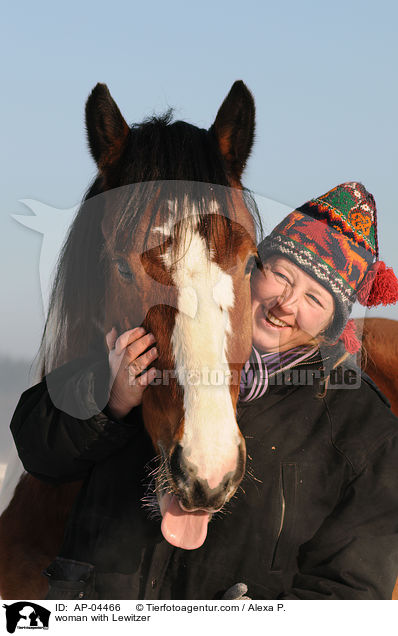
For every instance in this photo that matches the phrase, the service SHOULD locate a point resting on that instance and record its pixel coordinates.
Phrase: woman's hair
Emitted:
(325, 382)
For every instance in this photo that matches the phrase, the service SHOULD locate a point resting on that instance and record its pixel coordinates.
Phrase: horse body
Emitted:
(173, 252)
(380, 339)
(380, 362)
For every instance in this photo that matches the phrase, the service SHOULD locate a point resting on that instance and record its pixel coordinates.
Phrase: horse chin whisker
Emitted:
(149, 470)
(154, 472)
(251, 477)
(157, 483)
(150, 503)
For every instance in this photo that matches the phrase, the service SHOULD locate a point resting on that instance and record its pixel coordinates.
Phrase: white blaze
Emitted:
(199, 340)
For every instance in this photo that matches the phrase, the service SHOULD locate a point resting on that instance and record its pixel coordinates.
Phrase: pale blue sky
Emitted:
(323, 75)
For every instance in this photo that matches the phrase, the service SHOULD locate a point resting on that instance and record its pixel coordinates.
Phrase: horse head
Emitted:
(177, 246)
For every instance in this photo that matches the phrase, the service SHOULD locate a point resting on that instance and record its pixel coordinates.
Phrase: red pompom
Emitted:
(366, 285)
(379, 287)
(349, 338)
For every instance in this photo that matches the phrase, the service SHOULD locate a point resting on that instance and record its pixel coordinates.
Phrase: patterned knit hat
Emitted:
(334, 239)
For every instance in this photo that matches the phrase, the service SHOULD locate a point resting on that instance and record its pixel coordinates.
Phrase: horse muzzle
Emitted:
(196, 491)
(188, 496)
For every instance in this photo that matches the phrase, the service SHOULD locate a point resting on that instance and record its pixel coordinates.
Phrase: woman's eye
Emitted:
(282, 276)
(315, 299)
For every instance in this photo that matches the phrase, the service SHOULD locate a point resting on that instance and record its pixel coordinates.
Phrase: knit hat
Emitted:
(333, 238)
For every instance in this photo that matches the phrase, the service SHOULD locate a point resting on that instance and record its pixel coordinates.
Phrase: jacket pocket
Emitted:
(288, 495)
(69, 579)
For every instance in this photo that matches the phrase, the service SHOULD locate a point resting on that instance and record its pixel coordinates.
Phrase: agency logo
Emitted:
(26, 615)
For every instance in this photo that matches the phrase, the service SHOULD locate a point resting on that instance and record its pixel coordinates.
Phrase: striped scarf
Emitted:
(261, 366)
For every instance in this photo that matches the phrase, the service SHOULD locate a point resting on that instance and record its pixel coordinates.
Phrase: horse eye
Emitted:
(251, 264)
(124, 269)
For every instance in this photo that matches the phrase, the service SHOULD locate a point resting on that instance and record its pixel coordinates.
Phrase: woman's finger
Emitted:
(127, 338)
(134, 349)
(111, 338)
(142, 362)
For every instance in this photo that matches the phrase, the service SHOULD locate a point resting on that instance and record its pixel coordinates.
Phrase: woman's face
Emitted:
(289, 307)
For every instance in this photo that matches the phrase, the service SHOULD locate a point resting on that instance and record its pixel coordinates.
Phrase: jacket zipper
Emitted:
(287, 490)
(282, 518)
(283, 509)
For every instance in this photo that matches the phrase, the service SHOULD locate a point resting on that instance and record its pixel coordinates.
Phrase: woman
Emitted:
(317, 518)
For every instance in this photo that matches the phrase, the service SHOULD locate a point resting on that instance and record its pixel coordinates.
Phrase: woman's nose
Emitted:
(288, 300)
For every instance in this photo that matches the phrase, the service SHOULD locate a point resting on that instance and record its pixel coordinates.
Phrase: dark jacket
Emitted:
(316, 517)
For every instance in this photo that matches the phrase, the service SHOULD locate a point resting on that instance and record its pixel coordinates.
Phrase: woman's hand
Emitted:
(126, 361)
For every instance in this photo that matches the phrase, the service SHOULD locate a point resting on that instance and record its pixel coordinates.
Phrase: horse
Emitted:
(162, 156)
(379, 359)
(165, 238)
(380, 362)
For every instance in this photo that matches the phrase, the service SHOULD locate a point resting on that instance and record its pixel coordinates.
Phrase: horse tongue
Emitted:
(185, 530)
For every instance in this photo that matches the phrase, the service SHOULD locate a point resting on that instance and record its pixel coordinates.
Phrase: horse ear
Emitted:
(107, 130)
(234, 128)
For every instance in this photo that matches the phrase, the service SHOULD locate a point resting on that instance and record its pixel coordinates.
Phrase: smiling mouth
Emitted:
(273, 320)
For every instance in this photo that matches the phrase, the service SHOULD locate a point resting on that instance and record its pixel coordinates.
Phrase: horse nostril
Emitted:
(199, 494)
(177, 464)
